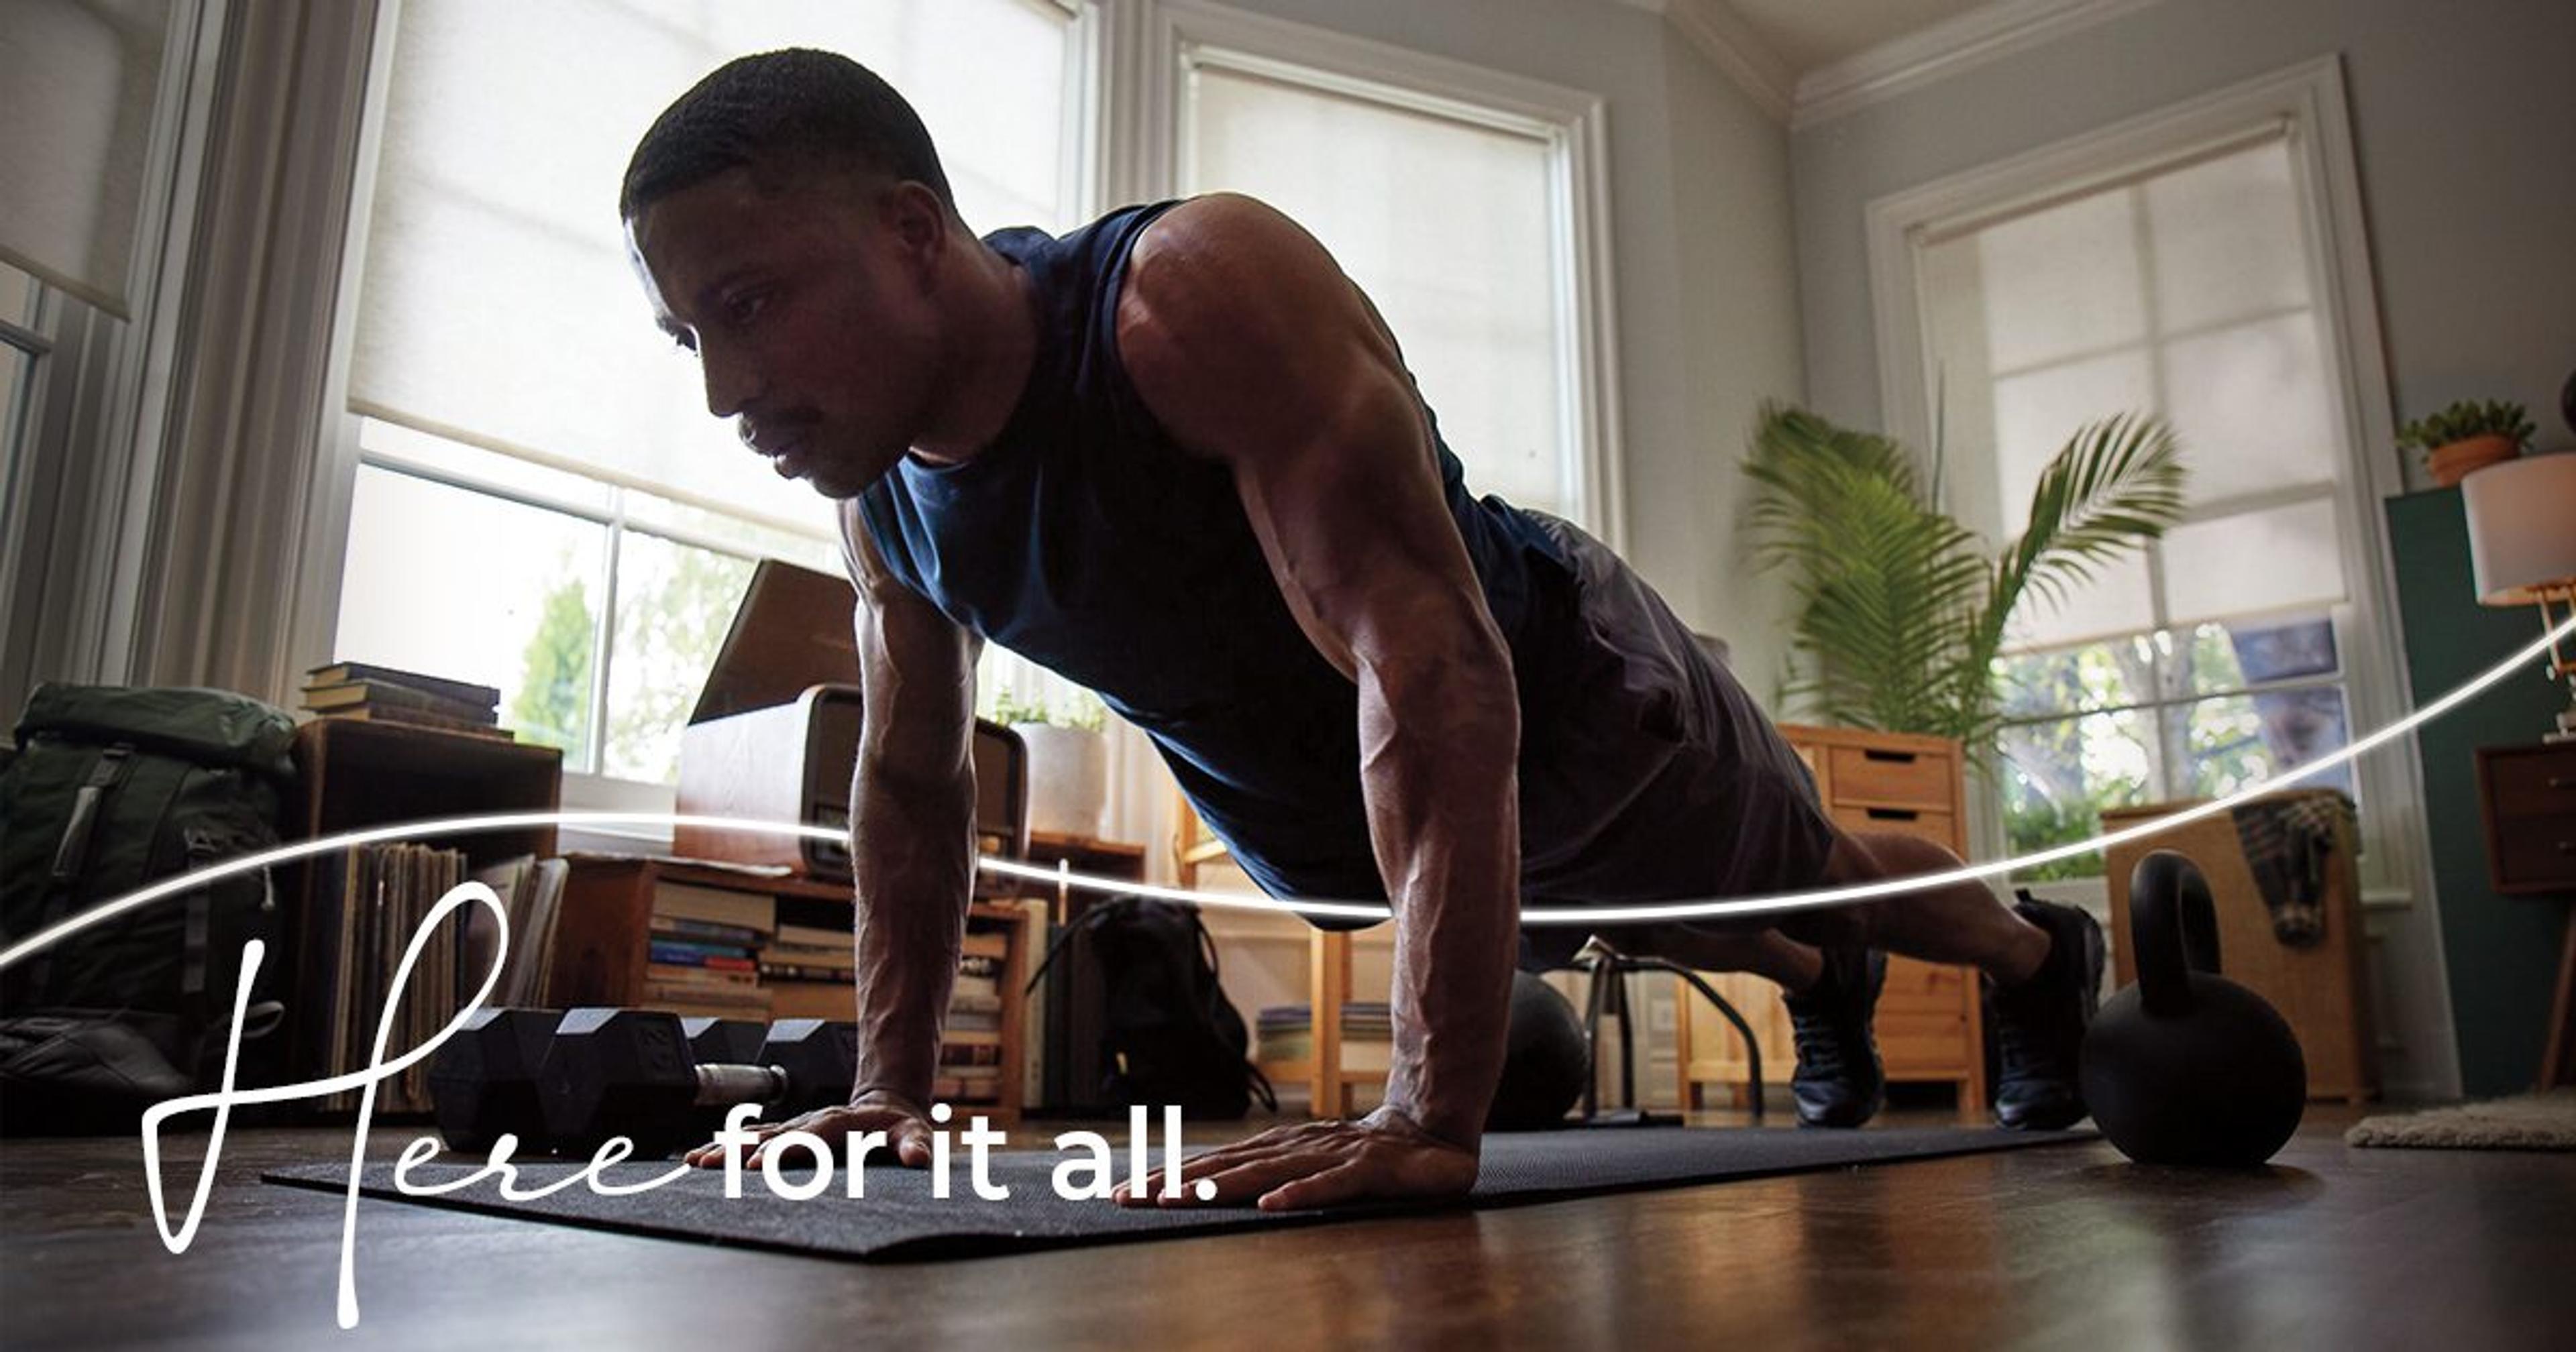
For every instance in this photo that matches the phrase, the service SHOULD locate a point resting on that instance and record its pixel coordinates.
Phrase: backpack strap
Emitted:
(71, 855)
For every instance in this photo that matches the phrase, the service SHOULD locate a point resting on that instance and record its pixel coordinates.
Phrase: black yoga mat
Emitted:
(900, 1219)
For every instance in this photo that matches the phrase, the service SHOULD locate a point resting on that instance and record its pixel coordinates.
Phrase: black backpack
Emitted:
(1169, 1035)
(112, 789)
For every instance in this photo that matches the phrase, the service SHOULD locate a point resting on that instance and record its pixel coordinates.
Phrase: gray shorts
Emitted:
(1654, 777)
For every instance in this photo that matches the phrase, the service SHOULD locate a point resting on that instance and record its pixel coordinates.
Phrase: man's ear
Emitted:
(918, 222)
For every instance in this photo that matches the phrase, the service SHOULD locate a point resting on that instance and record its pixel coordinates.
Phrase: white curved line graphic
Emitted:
(1689, 909)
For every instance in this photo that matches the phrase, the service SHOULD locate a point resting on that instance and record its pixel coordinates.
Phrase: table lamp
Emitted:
(2522, 547)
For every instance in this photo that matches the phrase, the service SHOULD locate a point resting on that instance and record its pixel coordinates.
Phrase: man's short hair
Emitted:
(791, 109)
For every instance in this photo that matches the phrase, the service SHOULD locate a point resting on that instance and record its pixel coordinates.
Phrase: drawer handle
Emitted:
(1907, 757)
(1901, 814)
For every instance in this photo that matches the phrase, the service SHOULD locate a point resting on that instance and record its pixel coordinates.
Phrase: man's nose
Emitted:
(732, 382)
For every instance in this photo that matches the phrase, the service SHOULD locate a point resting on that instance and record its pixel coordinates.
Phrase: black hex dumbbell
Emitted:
(721, 1042)
(483, 1084)
(627, 1072)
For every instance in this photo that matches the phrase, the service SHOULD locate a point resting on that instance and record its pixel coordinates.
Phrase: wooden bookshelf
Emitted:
(603, 940)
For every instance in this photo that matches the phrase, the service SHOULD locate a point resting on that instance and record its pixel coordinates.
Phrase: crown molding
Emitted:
(1940, 51)
(1735, 48)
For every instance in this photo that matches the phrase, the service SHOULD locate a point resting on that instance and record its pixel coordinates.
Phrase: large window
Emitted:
(542, 502)
(1448, 216)
(2184, 286)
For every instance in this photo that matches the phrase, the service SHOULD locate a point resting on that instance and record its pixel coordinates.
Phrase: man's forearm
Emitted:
(912, 856)
(1440, 746)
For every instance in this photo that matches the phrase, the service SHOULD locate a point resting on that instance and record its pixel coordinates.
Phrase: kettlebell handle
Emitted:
(2173, 926)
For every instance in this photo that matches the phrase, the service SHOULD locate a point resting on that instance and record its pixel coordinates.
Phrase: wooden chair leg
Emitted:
(1328, 960)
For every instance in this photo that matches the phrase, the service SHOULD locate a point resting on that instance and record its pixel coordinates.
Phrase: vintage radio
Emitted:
(775, 736)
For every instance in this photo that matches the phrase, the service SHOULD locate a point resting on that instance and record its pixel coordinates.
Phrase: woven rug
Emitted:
(2531, 1122)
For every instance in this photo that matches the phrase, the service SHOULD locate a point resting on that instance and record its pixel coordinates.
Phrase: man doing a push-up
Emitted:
(1176, 456)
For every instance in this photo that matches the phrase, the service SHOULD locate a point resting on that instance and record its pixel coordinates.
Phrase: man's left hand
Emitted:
(1318, 1164)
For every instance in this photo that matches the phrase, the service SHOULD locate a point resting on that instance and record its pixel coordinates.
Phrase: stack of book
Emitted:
(808, 971)
(361, 690)
(706, 946)
(970, 1040)
(1287, 1033)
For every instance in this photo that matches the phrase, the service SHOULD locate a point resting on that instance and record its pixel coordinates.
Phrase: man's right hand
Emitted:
(906, 1126)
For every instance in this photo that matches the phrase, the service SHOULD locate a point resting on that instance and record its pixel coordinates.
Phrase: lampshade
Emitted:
(2522, 527)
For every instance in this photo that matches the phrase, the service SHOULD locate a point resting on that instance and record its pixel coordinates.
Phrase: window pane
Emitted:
(673, 606)
(2238, 741)
(2037, 413)
(2061, 282)
(459, 584)
(2226, 239)
(2059, 777)
(824, 553)
(2282, 558)
(1386, 190)
(380, 440)
(2117, 601)
(2249, 405)
(2231, 656)
(2070, 680)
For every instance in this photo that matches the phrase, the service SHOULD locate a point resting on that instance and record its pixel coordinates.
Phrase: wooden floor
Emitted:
(2057, 1247)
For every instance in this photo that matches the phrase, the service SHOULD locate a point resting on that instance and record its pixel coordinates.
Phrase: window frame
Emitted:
(2306, 104)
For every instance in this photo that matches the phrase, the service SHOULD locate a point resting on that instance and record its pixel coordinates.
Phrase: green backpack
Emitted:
(111, 790)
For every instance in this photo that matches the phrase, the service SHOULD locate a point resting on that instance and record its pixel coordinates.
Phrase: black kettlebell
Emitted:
(2186, 1066)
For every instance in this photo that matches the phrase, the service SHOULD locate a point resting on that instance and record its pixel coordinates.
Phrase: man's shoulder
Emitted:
(1197, 253)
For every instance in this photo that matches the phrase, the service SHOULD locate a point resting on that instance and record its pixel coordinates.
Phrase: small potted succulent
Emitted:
(2467, 436)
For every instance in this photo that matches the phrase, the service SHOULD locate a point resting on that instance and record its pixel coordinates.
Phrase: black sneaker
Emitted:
(2039, 1024)
(1839, 1083)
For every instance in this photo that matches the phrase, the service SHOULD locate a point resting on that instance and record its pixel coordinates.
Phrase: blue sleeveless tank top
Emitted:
(1085, 540)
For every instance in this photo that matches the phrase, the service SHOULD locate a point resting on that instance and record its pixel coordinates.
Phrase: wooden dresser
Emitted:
(1930, 1026)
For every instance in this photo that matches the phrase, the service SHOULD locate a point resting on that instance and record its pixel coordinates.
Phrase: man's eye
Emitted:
(742, 309)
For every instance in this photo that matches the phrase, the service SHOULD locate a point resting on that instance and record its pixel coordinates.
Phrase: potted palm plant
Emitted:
(1900, 611)
(2467, 436)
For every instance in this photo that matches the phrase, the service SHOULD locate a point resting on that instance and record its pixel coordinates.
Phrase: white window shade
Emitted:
(2185, 291)
(1447, 224)
(78, 83)
(498, 307)
(2253, 563)
(2121, 600)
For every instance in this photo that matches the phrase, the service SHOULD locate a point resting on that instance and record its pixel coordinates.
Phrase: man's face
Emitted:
(809, 304)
